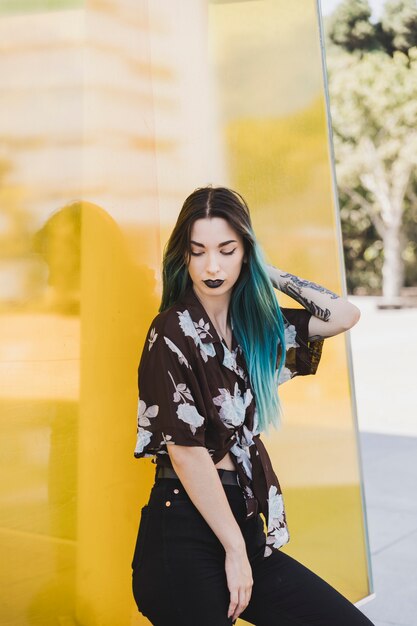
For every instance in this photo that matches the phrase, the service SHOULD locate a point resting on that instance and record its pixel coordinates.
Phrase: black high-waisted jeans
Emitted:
(179, 574)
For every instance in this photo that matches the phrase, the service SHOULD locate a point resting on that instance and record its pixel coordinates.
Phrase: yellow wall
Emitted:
(112, 114)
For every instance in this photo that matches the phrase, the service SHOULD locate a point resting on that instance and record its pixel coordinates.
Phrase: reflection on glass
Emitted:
(111, 114)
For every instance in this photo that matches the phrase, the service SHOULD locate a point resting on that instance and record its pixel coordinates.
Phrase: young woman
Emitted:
(208, 377)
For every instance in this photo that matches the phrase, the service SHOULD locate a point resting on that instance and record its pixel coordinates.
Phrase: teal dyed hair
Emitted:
(258, 324)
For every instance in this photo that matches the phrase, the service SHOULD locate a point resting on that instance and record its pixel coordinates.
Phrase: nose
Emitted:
(213, 265)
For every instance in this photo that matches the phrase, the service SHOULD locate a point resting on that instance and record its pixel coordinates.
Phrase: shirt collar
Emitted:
(198, 312)
(231, 359)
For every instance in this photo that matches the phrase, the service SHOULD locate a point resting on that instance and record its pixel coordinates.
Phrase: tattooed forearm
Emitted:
(296, 293)
(338, 313)
(303, 291)
(295, 280)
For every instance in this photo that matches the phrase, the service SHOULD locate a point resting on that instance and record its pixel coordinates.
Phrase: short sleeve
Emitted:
(302, 355)
(170, 405)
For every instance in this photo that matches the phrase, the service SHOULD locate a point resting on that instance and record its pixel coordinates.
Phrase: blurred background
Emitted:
(371, 60)
(112, 112)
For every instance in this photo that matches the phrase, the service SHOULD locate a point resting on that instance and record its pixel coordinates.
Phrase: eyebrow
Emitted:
(201, 245)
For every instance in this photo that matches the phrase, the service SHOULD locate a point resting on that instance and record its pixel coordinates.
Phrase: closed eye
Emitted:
(225, 253)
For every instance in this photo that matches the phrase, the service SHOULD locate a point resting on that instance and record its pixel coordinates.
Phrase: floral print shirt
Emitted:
(194, 391)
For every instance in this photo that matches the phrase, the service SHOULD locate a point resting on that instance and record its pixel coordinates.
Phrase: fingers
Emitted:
(234, 600)
(239, 600)
(241, 606)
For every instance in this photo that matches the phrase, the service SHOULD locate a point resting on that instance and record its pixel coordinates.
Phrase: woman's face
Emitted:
(217, 254)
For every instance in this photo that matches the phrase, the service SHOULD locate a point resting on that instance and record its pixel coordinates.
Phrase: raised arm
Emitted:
(331, 314)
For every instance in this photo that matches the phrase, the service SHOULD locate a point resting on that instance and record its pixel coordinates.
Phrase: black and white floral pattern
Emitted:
(194, 391)
(181, 358)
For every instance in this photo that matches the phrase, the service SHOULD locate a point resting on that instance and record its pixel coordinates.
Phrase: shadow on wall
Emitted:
(73, 485)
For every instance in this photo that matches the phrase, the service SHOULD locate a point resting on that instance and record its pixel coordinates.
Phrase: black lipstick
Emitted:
(213, 283)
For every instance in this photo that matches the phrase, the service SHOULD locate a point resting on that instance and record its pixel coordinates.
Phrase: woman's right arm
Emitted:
(200, 479)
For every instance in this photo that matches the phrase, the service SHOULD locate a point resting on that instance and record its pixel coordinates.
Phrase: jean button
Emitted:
(167, 503)
(176, 490)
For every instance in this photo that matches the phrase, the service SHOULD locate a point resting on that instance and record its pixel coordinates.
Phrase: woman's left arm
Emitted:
(331, 314)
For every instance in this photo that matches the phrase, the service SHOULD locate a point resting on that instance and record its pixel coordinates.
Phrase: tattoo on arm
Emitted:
(323, 314)
(308, 283)
(293, 287)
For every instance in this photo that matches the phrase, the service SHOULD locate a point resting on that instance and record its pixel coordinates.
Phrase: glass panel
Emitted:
(112, 113)
(41, 130)
(266, 64)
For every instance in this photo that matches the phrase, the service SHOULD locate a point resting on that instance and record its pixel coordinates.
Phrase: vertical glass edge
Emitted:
(344, 285)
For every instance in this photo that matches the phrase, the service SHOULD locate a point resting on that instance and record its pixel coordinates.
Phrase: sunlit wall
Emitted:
(112, 112)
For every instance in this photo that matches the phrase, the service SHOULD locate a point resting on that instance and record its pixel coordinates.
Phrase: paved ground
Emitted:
(384, 355)
(390, 476)
(384, 352)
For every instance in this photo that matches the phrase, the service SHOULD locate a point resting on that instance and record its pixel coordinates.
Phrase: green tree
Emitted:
(398, 27)
(372, 70)
(350, 28)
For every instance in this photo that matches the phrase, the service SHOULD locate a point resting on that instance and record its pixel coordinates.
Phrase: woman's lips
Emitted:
(213, 283)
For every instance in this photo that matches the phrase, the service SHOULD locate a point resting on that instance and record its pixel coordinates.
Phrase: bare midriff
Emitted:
(226, 463)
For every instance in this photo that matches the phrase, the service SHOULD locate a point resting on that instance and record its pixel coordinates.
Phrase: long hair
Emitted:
(258, 324)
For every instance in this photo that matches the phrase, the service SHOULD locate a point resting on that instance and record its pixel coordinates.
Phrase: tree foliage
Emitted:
(350, 28)
(372, 69)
